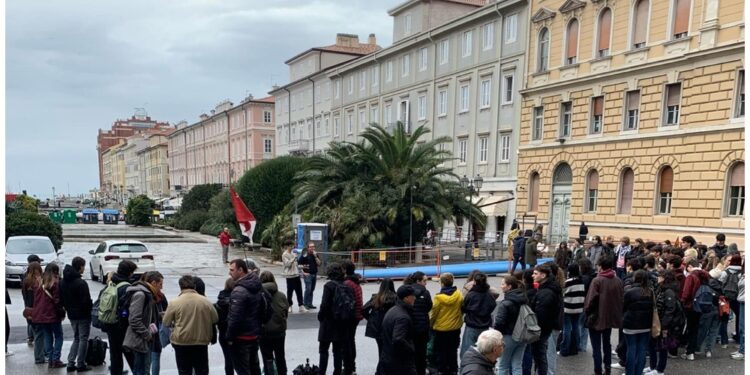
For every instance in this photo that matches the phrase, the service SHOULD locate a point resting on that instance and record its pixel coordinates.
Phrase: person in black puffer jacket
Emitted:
(397, 357)
(477, 307)
(547, 305)
(505, 321)
(421, 318)
(222, 308)
(375, 309)
(519, 250)
(672, 320)
(331, 332)
(245, 317)
(636, 323)
(75, 296)
(274, 331)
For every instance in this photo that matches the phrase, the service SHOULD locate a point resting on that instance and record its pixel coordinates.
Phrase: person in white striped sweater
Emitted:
(574, 295)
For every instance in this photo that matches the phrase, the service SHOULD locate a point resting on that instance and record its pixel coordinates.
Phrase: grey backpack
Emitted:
(526, 329)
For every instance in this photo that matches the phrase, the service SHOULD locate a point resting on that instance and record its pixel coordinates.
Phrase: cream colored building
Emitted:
(223, 145)
(154, 166)
(633, 119)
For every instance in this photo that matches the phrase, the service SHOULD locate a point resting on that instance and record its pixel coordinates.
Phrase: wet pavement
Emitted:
(204, 259)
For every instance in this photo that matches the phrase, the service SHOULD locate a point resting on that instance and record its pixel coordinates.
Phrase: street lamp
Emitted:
(473, 186)
(411, 194)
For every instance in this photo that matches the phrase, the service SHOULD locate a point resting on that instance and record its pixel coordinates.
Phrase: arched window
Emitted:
(592, 190)
(640, 24)
(625, 201)
(571, 45)
(680, 18)
(543, 50)
(605, 27)
(664, 196)
(534, 192)
(736, 190)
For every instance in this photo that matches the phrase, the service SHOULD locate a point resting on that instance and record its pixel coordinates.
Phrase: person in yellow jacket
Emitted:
(446, 320)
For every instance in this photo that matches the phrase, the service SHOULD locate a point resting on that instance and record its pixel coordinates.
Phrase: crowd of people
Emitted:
(659, 298)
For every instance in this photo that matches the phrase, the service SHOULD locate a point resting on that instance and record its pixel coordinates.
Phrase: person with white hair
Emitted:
(480, 359)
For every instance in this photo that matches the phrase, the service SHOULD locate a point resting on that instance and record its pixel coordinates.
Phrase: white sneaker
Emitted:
(733, 353)
(290, 309)
(618, 366)
(708, 354)
(652, 372)
(9, 353)
(302, 309)
(689, 357)
(647, 369)
(738, 356)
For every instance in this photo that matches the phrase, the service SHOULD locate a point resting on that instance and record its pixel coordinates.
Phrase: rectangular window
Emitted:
(374, 114)
(508, 89)
(362, 119)
(362, 80)
(672, 107)
(597, 115)
(665, 203)
(736, 200)
(739, 105)
(464, 99)
(442, 103)
(388, 114)
(444, 51)
(336, 126)
(374, 76)
(486, 92)
(681, 16)
(566, 118)
(351, 84)
(349, 123)
(505, 148)
(337, 89)
(389, 71)
(536, 132)
(632, 105)
(317, 128)
(462, 150)
(326, 128)
(267, 116)
(483, 142)
(591, 198)
(422, 107)
(405, 62)
(511, 27)
(422, 59)
(466, 44)
(488, 36)
(407, 24)
(267, 146)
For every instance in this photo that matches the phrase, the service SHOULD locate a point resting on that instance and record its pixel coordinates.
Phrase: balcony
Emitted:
(299, 147)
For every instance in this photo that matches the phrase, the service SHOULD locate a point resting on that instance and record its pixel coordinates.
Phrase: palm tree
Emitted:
(367, 191)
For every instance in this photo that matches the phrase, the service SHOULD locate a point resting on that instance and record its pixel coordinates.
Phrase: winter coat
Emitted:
(605, 299)
(397, 356)
(519, 246)
(475, 363)
(531, 252)
(309, 263)
(222, 311)
(375, 316)
(422, 307)
(719, 250)
(741, 291)
(244, 318)
(75, 295)
(28, 294)
(330, 330)
(46, 308)
(291, 269)
(446, 310)
(547, 305)
(224, 238)
(276, 326)
(638, 309)
(573, 295)
(192, 317)
(142, 313)
(583, 230)
(353, 283)
(595, 252)
(692, 282)
(507, 311)
(477, 307)
(671, 314)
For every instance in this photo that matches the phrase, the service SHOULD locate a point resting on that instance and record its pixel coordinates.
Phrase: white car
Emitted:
(18, 249)
(109, 254)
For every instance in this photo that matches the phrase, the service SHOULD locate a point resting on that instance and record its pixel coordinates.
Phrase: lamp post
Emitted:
(473, 186)
(411, 200)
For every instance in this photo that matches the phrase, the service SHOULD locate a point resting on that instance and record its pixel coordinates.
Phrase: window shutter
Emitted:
(626, 194)
(534, 196)
(598, 106)
(681, 17)
(738, 175)
(641, 22)
(673, 94)
(634, 100)
(665, 180)
(593, 180)
(605, 25)
(572, 39)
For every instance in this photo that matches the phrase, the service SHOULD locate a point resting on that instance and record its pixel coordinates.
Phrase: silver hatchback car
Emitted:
(18, 249)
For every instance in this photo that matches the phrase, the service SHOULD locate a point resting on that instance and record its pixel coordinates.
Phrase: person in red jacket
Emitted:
(352, 280)
(696, 277)
(224, 239)
(48, 314)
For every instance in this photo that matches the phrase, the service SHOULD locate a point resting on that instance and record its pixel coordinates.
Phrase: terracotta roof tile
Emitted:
(267, 99)
(363, 48)
(470, 2)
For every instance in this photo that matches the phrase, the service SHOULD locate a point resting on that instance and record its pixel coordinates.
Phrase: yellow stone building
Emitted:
(633, 119)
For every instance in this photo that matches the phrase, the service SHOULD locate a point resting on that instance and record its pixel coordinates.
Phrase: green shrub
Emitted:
(192, 220)
(24, 223)
(199, 198)
(140, 209)
(213, 228)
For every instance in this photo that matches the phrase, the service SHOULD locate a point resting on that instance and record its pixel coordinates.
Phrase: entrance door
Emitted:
(560, 204)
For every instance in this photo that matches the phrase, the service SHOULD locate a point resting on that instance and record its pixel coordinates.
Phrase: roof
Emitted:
(109, 211)
(267, 99)
(361, 50)
(398, 8)
(87, 211)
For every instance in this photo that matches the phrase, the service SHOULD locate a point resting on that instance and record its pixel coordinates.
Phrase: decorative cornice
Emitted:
(571, 5)
(543, 14)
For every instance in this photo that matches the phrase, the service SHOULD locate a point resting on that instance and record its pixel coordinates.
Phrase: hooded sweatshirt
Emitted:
(276, 327)
(141, 314)
(605, 299)
(478, 306)
(507, 311)
(446, 310)
(75, 296)
(692, 283)
(475, 363)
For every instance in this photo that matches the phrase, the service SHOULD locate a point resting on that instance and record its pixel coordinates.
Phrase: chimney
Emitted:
(371, 40)
(347, 40)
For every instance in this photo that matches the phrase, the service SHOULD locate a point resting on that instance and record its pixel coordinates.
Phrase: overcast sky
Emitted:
(73, 67)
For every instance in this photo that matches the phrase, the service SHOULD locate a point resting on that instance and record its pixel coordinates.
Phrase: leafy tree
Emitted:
(267, 188)
(367, 191)
(22, 203)
(279, 230)
(192, 221)
(199, 197)
(221, 215)
(140, 209)
(25, 223)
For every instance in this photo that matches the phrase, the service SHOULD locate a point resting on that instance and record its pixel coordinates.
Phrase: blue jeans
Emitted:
(469, 339)
(517, 260)
(583, 334)
(709, 331)
(636, 357)
(569, 345)
(39, 350)
(527, 361)
(552, 352)
(310, 281)
(52, 331)
(155, 363)
(741, 331)
(601, 344)
(141, 363)
(512, 358)
(539, 353)
(657, 358)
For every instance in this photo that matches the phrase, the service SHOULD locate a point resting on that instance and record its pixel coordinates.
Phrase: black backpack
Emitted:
(343, 302)
(306, 369)
(96, 352)
(731, 287)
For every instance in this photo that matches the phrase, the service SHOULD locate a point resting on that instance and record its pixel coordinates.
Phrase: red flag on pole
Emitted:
(244, 217)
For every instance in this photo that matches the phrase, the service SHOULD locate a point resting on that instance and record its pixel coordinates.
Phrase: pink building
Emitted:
(223, 145)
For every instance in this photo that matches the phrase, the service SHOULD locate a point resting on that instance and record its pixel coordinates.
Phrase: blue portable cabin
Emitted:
(110, 216)
(90, 216)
